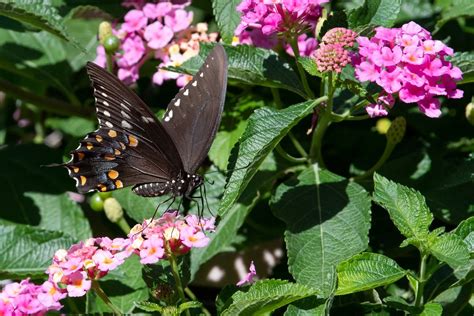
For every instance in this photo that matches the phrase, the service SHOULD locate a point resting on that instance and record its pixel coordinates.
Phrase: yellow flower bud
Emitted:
(383, 125)
(105, 30)
(470, 113)
(113, 210)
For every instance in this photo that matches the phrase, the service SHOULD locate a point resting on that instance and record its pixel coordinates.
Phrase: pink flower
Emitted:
(250, 277)
(408, 62)
(192, 238)
(341, 36)
(128, 75)
(135, 20)
(51, 295)
(158, 35)
(384, 102)
(101, 59)
(105, 261)
(152, 250)
(306, 46)
(133, 51)
(387, 57)
(78, 284)
(178, 20)
(154, 11)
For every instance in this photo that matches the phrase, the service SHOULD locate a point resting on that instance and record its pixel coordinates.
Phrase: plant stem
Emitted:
(44, 103)
(194, 298)
(100, 293)
(287, 156)
(110, 62)
(294, 46)
(177, 278)
(323, 123)
(122, 223)
(421, 281)
(336, 118)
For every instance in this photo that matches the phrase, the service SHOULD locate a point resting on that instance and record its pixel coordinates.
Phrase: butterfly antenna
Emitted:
(206, 201)
(154, 214)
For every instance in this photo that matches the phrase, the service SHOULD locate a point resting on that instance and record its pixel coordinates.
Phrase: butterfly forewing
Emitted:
(193, 116)
(130, 147)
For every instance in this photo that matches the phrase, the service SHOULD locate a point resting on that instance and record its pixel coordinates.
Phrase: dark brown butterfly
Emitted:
(131, 147)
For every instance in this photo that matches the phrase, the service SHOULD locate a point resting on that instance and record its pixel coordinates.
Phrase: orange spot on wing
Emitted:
(117, 152)
(119, 184)
(112, 133)
(80, 156)
(89, 146)
(133, 141)
(109, 157)
(99, 138)
(83, 180)
(75, 169)
(113, 174)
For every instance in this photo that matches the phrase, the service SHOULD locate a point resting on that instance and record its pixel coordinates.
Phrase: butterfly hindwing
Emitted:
(193, 116)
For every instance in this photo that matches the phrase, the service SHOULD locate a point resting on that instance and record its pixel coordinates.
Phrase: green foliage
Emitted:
(28, 251)
(328, 217)
(227, 17)
(465, 61)
(265, 296)
(456, 9)
(252, 66)
(37, 13)
(254, 145)
(374, 12)
(366, 271)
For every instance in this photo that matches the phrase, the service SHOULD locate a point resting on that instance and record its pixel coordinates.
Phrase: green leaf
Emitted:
(265, 128)
(223, 144)
(366, 271)
(36, 13)
(74, 126)
(465, 62)
(149, 306)
(432, 309)
(457, 9)
(124, 287)
(28, 251)
(328, 220)
(189, 305)
(21, 172)
(60, 213)
(407, 208)
(309, 65)
(450, 248)
(250, 65)
(415, 10)
(374, 12)
(227, 17)
(465, 230)
(266, 296)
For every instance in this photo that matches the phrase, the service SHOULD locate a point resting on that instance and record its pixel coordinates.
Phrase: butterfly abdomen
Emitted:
(152, 189)
(175, 187)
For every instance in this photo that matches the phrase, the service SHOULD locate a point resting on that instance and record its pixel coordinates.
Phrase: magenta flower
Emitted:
(341, 36)
(152, 250)
(78, 284)
(154, 11)
(384, 102)
(157, 35)
(135, 20)
(128, 75)
(409, 62)
(178, 20)
(133, 51)
(263, 21)
(250, 277)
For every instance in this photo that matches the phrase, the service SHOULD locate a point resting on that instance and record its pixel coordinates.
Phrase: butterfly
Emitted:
(132, 147)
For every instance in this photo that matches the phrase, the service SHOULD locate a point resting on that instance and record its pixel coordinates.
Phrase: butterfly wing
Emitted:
(130, 147)
(193, 116)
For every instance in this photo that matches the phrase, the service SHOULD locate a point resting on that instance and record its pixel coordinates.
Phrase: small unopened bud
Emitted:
(105, 30)
(383, 125)
(396, 130)
(470, 113)
(111, 44)
(113, 210)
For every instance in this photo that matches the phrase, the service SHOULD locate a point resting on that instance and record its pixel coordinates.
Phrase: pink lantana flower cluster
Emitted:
(408, 62)
(170, 234)
(332, 54)
(28, 298)
(74, 269)
(264, 22)
(156, 30)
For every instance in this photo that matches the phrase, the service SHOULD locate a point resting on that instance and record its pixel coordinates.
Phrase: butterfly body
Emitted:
(133, 148)
(181, 186)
